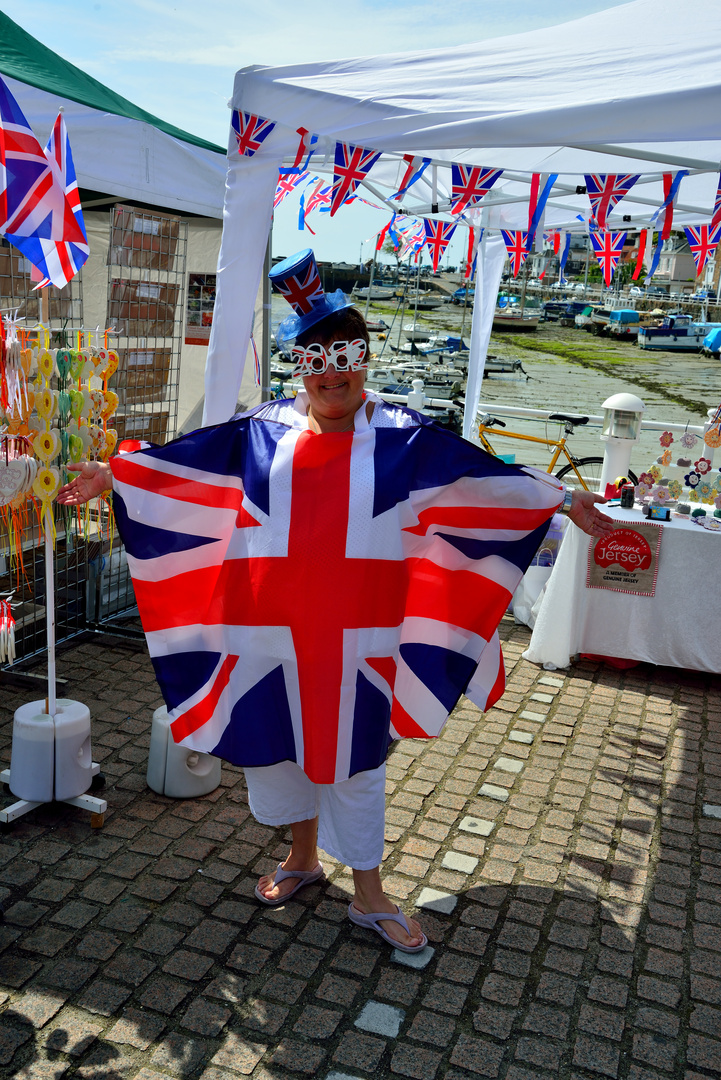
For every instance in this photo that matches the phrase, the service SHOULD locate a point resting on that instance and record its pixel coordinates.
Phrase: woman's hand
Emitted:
(583, 513)
(95, 478)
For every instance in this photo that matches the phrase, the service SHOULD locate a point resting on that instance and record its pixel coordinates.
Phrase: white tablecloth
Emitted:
(677, 626)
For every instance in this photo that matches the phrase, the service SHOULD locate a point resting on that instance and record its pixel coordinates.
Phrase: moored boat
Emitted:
(676, 333)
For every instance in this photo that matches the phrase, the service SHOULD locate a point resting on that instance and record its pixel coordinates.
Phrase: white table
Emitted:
(676, 627)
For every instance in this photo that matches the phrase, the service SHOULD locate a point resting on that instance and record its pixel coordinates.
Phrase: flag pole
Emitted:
(51, 706)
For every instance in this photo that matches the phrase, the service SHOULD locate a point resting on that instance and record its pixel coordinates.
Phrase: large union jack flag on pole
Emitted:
(703, 241)
(469, 183)
(438, 235)
(517, 248)
(284, 626)
(250, 131)
(607, 248)
(35, 214)
(605, 191)
(352, 164)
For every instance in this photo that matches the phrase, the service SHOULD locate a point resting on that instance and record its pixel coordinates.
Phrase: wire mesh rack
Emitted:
(146, 290)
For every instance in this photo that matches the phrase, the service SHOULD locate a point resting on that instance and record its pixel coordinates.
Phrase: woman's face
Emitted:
(335, 394)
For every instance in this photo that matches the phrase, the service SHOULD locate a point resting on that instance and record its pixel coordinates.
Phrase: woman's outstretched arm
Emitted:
(94, 478)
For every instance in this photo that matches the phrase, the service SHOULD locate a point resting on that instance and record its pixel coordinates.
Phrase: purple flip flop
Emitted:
(372, 921)
(305, 878)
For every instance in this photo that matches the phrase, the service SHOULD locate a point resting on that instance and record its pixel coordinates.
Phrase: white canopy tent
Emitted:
(635, 89)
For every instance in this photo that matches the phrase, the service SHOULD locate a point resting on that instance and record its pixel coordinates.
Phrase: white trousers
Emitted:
(351, 814)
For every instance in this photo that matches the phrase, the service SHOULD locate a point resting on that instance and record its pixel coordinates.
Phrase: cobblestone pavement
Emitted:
(556, 848)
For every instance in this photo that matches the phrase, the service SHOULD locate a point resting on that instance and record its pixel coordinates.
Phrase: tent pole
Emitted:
(265, 354)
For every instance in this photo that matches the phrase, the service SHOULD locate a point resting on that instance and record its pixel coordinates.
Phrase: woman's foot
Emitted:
(369, 898)
(273, 892)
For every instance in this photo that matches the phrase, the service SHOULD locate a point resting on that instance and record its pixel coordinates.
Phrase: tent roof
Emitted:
(639, 74)
(118, 148)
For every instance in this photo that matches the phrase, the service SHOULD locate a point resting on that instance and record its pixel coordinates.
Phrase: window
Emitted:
(199, 313)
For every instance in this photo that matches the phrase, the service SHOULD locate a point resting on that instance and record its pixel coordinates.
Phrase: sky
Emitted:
(178, 59)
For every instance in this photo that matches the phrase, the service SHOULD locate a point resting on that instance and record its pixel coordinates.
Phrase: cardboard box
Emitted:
(143, 308)
(143, 239)
(153, 427)
(142, 375)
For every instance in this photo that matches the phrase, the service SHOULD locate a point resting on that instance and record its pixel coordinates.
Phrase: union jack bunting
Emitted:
(352, 164)
(607, 247)
(63, 259)
(35, 214)
(703, 241)
(306, 146)
(517, 248)
(284, 626)
(671, 183)
(415, 167)
(286, 184)
(412, 234)
(605, 191)
(319, 199)
(469, 183)
(250, 131)
(437, 237)
(716, 218)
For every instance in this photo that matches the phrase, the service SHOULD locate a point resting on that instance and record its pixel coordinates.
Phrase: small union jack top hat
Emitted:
(297, 279)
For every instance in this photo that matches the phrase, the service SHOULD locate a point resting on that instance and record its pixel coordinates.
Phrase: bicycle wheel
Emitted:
(590, 469)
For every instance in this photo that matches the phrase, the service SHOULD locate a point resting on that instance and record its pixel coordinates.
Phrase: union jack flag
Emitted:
(63, 259)
(35, 214)
(703, 241)
(284, 626)
(608, 247)
(517, 248)
(605, 191)
(469, 183)
(286, 184)
(352, 164)
(438, 235)
(412, 234)
(250, 131)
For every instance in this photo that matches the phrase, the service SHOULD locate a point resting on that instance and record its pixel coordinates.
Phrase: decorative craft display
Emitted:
(55, 406)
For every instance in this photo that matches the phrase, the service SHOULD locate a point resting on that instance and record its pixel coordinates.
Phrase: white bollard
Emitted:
(416, 396)
(176, 770)
(621, 431)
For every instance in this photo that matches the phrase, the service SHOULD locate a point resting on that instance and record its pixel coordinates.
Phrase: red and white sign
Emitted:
(626, 560)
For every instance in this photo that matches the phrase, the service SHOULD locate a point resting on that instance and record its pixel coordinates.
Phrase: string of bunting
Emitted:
(469, 186)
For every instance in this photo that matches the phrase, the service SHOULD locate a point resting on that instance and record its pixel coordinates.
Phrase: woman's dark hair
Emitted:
(347, 324)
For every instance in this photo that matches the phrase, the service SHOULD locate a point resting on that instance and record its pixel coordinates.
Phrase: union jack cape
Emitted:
(307, 597)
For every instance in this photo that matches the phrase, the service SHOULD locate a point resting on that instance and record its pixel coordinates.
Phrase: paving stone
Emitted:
(477, 1055)
(417, 960)
(415, 1061)
(464, 864)
(35, 1007)
(316, 1023)
(434, 900)
(361, 1051)
(510, 765)
(136, 1029)
(596, 1056)
(520, 736)
(492, 791)
(380, 1019)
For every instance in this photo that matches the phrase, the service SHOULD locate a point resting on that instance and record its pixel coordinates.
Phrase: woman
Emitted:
(406, 542)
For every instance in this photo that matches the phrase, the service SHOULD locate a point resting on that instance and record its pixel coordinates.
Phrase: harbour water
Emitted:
(569, 371)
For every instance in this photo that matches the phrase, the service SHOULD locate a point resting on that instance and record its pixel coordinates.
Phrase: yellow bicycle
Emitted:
(582, 472)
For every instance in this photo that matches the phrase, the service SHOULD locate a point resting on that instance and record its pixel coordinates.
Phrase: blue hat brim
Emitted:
(295, 325)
